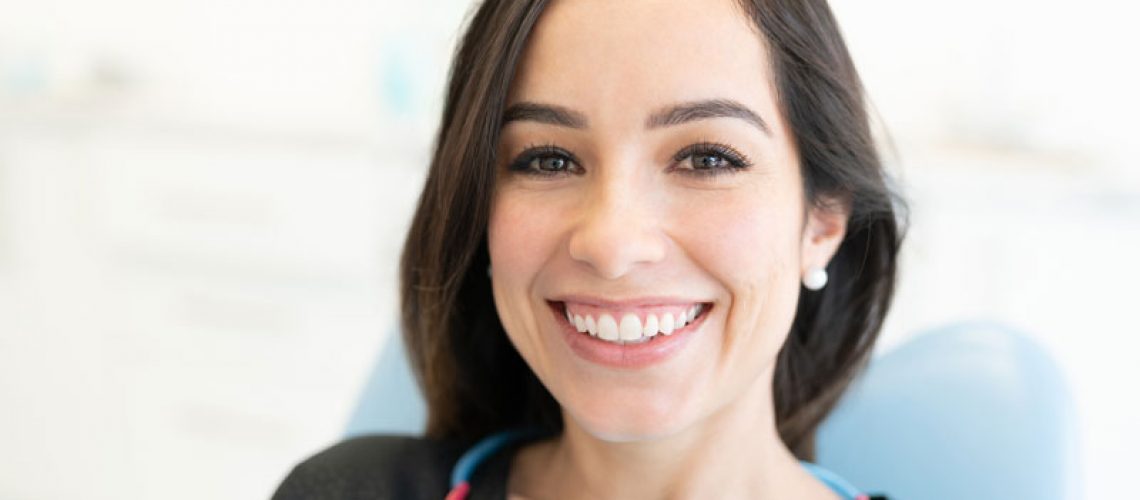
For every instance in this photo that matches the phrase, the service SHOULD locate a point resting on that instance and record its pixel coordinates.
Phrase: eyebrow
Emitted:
(544, 113)
(674, 115)
(703, 110)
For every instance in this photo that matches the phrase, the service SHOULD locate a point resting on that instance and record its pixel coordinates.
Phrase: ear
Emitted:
(824, 229)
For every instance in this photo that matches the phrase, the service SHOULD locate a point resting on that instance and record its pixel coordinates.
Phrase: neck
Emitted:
(734, 453)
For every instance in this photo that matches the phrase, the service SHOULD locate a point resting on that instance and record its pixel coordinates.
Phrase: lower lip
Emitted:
(625, 356)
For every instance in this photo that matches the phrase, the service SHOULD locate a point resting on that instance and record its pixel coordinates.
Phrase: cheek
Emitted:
(744, 240)
(521, 237)
(750, 243)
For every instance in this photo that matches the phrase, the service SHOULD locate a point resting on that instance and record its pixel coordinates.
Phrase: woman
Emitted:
(654, 247)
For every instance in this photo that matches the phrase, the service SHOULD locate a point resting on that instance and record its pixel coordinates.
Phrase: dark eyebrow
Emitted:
(544, 113)
(701, 110)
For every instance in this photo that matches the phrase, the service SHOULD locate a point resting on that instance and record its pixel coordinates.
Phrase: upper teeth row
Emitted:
(630, 329)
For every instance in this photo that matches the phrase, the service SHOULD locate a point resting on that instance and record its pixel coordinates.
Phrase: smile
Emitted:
(631, 325)
(631, 334)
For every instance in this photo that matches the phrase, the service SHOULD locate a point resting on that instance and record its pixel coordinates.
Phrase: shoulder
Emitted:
(373, 467)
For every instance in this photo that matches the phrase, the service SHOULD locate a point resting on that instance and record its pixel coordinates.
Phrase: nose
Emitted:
(617, 228)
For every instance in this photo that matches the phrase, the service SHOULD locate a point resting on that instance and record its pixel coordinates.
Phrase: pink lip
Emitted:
(625, 356)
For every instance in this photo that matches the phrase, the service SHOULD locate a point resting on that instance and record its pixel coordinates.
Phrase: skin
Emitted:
(625, 220)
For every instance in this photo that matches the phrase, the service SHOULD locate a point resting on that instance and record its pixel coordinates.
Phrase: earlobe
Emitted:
(823, 233)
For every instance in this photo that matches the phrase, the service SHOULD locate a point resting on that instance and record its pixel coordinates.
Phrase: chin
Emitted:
(627, 418)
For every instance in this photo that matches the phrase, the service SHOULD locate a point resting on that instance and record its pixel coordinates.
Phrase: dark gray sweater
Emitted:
(396, 467)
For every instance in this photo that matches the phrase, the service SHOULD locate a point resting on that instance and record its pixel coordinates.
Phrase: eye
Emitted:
(552, 163)
(545, 161)
(710, 158)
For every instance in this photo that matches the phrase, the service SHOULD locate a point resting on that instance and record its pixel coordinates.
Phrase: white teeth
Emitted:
(650, 326)
(667, 323)
(630, 328)
(580, 324)
(607, 328)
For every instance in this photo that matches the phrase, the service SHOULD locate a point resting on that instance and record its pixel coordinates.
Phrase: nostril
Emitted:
(616, 246)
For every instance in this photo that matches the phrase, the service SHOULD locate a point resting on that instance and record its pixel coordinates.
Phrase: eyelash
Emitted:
(522, 163)
(736, 161)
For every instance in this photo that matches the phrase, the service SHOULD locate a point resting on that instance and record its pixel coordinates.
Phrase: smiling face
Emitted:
(646, 176)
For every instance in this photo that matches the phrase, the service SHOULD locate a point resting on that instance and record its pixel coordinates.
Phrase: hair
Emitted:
(474, 381)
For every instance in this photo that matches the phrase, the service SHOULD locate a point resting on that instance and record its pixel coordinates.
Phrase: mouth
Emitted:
(630, 325)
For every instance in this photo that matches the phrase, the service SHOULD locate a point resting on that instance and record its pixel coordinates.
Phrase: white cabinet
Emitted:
(189, 300)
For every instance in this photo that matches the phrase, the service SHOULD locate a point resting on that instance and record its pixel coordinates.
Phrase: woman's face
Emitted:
(646, 174)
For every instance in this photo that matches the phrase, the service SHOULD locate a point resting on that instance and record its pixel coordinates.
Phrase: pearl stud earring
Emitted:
(816, 279)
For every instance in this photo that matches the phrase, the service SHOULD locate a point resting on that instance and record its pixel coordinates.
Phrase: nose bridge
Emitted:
(618, 227)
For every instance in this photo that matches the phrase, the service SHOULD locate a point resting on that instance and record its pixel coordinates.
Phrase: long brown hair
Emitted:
(474, 381)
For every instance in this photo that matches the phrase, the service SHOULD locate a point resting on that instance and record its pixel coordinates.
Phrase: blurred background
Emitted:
(202, 205)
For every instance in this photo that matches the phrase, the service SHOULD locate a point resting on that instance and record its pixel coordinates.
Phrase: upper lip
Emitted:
(645, 301)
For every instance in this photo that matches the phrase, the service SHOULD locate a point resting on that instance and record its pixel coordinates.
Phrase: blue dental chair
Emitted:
(972, 410)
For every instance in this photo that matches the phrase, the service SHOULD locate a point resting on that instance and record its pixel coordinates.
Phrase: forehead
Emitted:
(614, 59)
